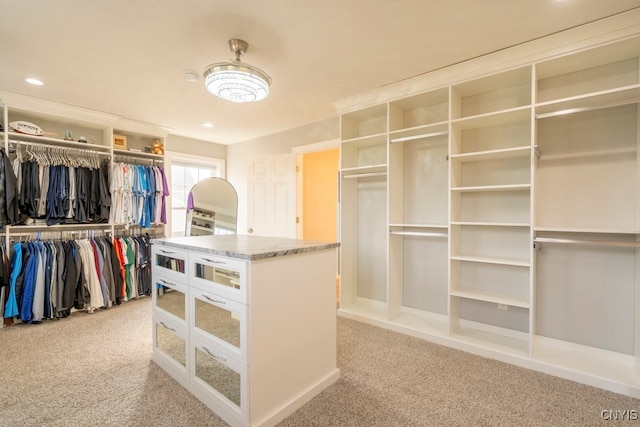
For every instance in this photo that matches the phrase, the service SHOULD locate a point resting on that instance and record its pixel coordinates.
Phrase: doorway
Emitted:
(317, 197)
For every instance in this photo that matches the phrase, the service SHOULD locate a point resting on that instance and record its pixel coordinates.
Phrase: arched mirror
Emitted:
(212, 208)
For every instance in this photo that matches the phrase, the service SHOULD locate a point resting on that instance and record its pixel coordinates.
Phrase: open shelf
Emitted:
(495, 297)
(520, 262)
(505, 153)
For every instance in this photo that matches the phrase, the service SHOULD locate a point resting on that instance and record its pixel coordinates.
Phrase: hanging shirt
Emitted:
(11, 307)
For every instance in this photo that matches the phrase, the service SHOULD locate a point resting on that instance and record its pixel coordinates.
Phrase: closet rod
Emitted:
(61, 234)
(422, 136)
(418, 233)
(34, 228)
(59, 147)
(586, 242)
(364, 175)
(567, 111)
(123, 158)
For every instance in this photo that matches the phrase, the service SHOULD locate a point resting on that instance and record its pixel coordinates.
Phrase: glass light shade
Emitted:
(236, 82)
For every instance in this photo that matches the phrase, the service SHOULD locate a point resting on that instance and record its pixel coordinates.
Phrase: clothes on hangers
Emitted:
(63, 193)
(138, 195)
(47, 279)
(8, 191)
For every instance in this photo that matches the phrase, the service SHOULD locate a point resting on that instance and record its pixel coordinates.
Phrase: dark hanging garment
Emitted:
(24, 249)
(117, 276)
(54, 209)
(10, 192)
(82, 292)
(71, 277)
(30, 191)
(48, 270)
(82, 195)
(61, 273)
(29, 285)
(94, 198)
(144, 264)
(8, 183)
(104, 196)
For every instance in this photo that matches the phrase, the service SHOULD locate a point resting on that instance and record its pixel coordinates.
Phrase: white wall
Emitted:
(240, 156)
(196, 147)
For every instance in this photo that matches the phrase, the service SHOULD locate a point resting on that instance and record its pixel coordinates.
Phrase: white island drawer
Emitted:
(170, 262)
(170, 347)
(170, 297)
(223, 276)
(221, 321)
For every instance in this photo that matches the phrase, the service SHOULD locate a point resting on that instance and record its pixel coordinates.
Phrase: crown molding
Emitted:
(601, 32)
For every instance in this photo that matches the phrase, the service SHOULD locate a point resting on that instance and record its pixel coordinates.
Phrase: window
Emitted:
(184, 175)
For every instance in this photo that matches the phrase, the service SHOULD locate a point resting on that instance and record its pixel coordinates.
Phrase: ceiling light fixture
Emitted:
(33, 81)
(236, 81)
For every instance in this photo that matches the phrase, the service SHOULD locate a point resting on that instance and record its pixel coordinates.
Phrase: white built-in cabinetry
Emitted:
(98, 129)
(246, 323)
(500, 214)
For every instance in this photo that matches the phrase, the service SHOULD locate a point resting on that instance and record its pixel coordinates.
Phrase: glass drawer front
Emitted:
(170, 298)
(210, 369)
(223, 276)
(219, 275)
(170, 343)
(169, 261)
(217, 320)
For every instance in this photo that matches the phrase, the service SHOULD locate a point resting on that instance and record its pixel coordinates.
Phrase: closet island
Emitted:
(246, 323)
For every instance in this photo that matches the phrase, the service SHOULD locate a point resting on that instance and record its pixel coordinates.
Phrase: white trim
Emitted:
(317, 146)
(573, 40)
(171, 156)
(57, 110)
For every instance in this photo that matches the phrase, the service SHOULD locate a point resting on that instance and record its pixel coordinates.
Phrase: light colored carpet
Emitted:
(95, 369)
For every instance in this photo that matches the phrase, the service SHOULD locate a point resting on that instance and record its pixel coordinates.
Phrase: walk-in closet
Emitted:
(78, 214)
(498, 213)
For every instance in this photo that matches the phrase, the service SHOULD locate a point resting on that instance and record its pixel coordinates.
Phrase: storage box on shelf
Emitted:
(542, 224)
(141, 145)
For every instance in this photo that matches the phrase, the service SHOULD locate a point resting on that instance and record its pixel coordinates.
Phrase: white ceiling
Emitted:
(129, 57)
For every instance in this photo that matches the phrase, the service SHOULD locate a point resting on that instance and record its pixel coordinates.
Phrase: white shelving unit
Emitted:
(56, 120)
(511, 202)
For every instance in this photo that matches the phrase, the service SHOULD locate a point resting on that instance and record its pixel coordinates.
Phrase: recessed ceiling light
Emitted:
(34, 82)
(207, 125)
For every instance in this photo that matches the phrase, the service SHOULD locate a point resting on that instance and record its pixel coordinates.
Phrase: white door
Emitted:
(271, 195)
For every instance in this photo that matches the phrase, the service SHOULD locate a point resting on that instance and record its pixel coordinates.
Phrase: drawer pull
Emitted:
(213, 261)
(213, 355)
(214, 300)
(167, 327)
(165, 252)
(164, 282)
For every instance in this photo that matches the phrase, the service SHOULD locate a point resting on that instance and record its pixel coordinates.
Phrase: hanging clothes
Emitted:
(47, 279)
(138, 195)
(68, 189)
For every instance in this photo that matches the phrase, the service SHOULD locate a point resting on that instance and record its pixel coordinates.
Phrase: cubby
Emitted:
(498, 92)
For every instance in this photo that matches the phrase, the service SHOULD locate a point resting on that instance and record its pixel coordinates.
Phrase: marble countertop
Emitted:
(246, 247)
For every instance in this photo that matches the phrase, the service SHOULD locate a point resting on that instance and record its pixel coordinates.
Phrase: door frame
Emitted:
(299, 151)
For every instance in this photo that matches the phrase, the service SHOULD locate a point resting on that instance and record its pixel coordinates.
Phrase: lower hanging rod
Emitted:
(587, 242)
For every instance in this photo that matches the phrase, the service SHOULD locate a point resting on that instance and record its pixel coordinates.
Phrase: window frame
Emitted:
(172, 158)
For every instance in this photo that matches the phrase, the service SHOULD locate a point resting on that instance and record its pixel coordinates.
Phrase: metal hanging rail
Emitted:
(587, 242)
